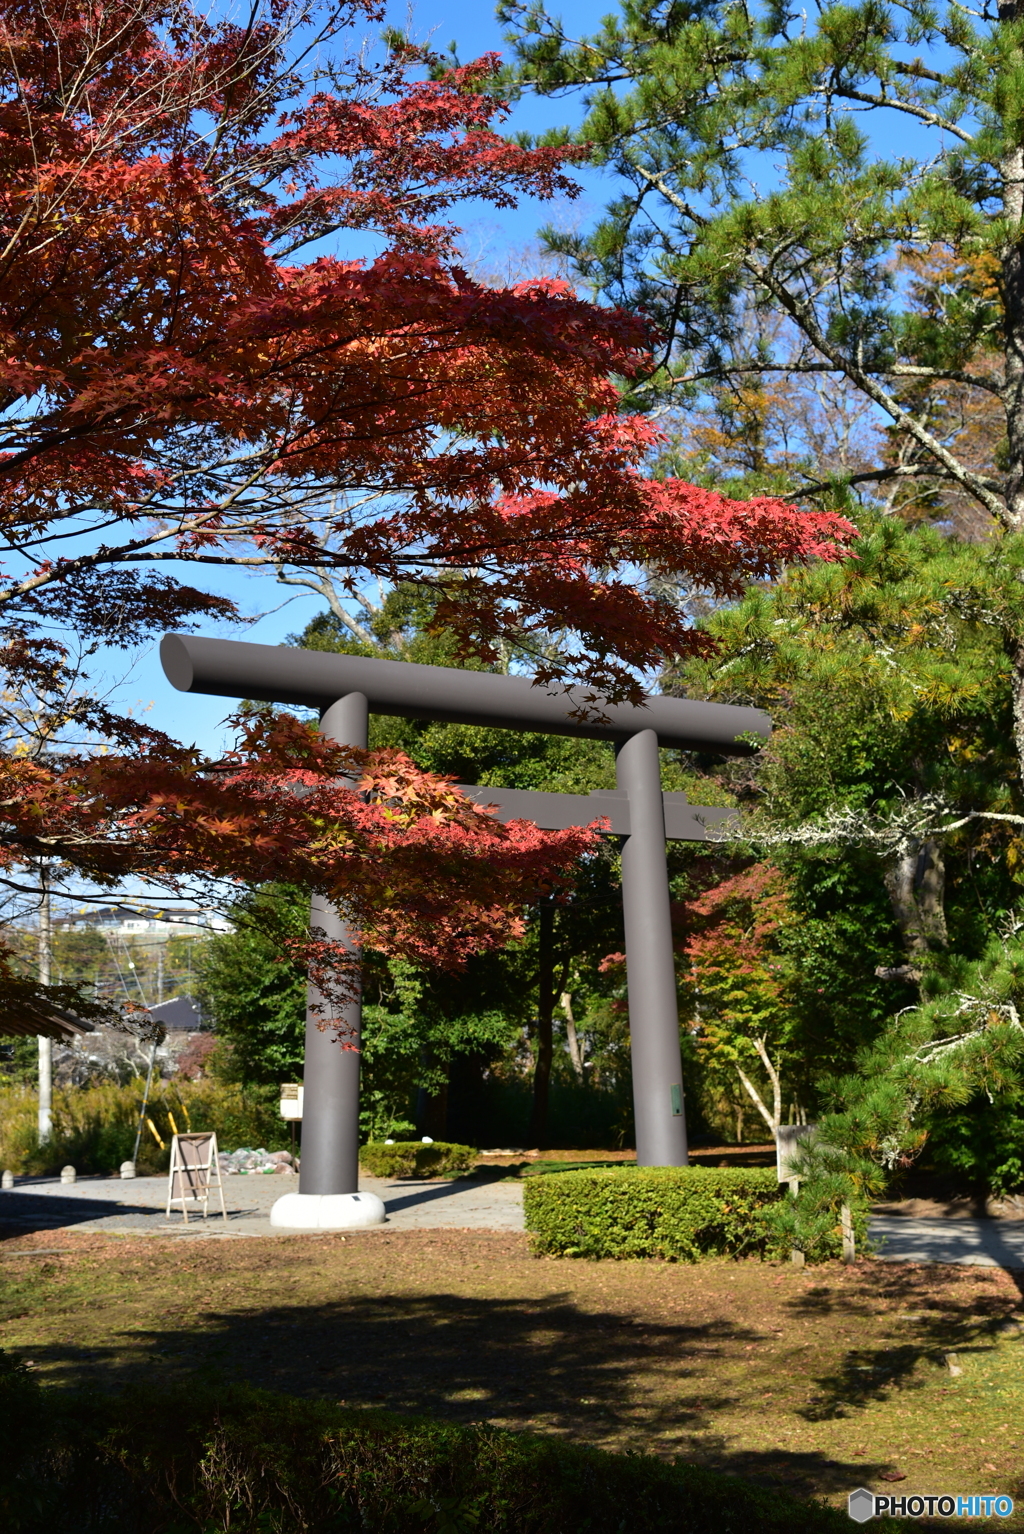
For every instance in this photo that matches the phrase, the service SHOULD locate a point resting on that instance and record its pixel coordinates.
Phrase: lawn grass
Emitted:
(817, 1380)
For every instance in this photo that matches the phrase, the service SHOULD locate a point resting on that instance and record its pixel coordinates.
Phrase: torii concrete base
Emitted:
(328, 1211)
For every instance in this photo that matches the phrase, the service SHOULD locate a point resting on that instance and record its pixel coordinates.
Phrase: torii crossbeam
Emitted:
(346, 689)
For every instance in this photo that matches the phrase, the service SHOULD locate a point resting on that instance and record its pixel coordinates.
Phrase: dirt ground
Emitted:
(820, 1379)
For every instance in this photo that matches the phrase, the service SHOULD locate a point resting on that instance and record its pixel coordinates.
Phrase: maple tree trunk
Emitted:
(772, 1116)
(571, 1036)
(774, 1078)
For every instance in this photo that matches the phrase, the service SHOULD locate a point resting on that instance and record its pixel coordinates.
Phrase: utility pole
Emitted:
(45, 1045)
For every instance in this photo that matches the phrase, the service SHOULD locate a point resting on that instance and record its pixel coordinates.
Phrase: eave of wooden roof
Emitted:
(26, 1022)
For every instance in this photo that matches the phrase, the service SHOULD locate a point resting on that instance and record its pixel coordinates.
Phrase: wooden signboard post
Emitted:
(787, 1154)
(195, 1170)
(788, 1140)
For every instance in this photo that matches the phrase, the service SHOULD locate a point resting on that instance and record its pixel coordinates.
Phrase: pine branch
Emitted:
(803, 316)
(933, 119)
(892, 835)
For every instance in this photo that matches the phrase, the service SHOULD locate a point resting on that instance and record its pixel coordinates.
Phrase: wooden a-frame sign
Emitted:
(194, 1174)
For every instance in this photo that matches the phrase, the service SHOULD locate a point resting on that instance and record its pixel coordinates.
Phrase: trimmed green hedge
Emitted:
(408, 1158)
(159, 1460)
(680, 1213)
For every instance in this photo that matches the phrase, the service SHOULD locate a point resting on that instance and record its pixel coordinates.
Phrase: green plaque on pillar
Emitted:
(677, 1102)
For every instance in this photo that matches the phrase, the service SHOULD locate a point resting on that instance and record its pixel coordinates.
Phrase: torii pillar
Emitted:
(346, 689)
(655, 1058)
(328, 1196)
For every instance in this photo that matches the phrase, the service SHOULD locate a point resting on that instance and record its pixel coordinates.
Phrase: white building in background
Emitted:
(152, 926)
(131, 933)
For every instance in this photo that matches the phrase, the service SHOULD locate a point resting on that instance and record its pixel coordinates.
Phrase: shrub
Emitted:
(94, 1127)
(680, 1213)
(206, 1458)
(813, 1221)
(408, 1158)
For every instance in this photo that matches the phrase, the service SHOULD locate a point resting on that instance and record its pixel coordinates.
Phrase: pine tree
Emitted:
(783, 178)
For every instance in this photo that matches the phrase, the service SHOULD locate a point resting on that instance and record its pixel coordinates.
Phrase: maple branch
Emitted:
(756, 1099)
(773, 1076)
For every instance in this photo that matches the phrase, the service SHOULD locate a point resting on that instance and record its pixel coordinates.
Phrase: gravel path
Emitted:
(972, 1242)
(108, 1204)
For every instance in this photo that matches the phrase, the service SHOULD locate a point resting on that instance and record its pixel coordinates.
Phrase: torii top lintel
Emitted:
(231, 668)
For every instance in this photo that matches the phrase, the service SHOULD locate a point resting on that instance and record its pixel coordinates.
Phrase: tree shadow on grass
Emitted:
(951, 1319)
(545, 1365)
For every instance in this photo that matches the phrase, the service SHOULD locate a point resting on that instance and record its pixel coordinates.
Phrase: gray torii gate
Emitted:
(345, 689)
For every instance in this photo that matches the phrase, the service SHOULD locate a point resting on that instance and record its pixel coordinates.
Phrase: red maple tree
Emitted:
(191, 379)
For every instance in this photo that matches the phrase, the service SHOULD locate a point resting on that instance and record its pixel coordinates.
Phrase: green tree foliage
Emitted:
(256, 996)
(891, 694)
(253, 991)
(889, 688)
(421, 1028)
(823, 214)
